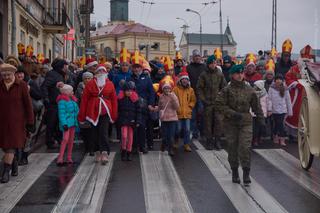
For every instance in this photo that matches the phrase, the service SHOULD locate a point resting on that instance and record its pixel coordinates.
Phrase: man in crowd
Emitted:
(194, 69)
(209, 84)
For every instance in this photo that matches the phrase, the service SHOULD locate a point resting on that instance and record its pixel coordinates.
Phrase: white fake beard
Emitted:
(101, 80)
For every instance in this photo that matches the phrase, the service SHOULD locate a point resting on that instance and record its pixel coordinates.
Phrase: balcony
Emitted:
(55, 21)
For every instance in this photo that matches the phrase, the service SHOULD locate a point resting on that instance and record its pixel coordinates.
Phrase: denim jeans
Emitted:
(168, 132)
(197, 120)
(184, 126)
(278, 129)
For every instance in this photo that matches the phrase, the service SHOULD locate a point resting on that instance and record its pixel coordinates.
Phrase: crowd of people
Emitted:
(207, 99)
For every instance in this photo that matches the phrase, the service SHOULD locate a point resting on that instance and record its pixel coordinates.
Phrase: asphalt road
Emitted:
(199, 181)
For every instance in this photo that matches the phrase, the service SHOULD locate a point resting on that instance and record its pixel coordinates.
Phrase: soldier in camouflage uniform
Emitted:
(209, 84)
(234, 101)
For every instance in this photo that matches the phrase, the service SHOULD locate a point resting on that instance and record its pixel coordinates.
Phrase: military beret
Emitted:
(211, 59)
(7, 68)
(236, 69)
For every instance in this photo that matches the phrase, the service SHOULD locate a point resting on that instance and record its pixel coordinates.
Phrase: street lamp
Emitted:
(185, 26)
(193, 11)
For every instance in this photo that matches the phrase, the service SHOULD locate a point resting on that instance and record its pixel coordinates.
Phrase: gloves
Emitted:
(65, 127)
(237, 116)
(30, 128)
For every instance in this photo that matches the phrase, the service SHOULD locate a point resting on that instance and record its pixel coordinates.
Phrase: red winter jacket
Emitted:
(96, 102)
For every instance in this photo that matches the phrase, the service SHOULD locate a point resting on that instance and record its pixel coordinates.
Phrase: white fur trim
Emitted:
(92, 64)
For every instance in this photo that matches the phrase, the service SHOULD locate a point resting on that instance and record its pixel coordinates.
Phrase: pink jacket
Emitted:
(169, 104)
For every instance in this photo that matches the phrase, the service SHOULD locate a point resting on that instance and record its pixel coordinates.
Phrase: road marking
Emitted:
(12, 192)
(162, 186)
(289, 165)
(245, 199)
(86, 191)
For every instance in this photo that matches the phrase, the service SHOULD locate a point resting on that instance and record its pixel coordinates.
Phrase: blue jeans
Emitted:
(184, 125)
(196, 120)
(168, 129)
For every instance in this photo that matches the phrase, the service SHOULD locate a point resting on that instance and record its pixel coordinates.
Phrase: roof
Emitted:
(212, 39)
(121, 28)
(209, 39)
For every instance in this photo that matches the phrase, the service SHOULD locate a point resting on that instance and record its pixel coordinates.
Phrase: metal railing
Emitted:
(55, 16)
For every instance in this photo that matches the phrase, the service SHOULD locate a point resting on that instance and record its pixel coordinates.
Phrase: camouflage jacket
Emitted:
(238, 97)
(209, 84)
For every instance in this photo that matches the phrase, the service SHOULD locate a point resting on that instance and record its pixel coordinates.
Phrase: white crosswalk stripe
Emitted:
(85, 193)
(12, 192)
(162, 186)
(246, 199)
(289, 165)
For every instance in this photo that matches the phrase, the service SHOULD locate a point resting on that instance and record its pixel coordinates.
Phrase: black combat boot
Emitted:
(123, 155)
(209, 145)
(217, 143)
(14, 167)
(235, 175)
(5, 173)
(246, 176)
(129, 156)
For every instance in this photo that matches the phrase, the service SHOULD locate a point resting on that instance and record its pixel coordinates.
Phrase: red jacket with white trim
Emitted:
(96, 102)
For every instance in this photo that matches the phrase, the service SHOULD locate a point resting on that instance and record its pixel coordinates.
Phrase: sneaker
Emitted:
(187, 148)
(98, 157)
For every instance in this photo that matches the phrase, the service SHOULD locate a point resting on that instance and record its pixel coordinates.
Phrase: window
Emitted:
(156, 46)
(122, 44)
(38, 48)
(101, 47)
(22, 37)
(31, 41)
(44, 50)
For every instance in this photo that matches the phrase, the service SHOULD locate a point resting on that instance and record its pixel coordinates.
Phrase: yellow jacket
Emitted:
(187, 100)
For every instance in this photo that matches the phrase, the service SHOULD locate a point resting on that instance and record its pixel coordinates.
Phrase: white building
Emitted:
(191, 41)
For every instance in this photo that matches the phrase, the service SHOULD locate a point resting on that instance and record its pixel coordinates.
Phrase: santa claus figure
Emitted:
(296, 89)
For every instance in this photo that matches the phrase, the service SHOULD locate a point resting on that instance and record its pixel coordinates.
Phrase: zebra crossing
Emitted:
(163, 188)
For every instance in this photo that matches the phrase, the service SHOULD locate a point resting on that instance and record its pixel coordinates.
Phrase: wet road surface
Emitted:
(199, 181)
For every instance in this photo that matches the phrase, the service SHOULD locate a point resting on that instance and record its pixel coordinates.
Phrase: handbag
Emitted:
(161, 112)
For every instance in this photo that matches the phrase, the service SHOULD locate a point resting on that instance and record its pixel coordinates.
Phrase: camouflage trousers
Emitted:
(213, 122)
(239, 144)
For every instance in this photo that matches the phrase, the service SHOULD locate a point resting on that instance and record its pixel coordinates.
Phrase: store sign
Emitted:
(25, 24)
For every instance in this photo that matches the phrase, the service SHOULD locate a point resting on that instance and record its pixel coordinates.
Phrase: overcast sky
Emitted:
(250, 20)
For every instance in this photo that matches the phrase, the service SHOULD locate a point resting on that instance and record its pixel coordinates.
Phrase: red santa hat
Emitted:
(91, 62)
(183, 75)
(101, 68)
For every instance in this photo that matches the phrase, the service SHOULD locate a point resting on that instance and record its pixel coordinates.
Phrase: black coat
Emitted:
(49, 86)
(129, 112)
(194, 70)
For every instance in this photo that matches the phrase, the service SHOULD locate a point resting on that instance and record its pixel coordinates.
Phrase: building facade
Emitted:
(192, 41)
(4, 26)
(110, 39)
(43, 24)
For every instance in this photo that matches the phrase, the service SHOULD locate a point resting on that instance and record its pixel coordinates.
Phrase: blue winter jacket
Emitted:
(118, 77)
(67, 111)
(144, 88)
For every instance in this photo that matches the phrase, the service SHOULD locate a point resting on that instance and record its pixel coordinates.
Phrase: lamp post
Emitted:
(193, 11)
(185, 26)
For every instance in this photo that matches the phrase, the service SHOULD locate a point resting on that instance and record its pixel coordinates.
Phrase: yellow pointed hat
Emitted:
(287, 46)
(270, 66)
(168, 64)
(251, 59)
(125, 56)
(217, 53)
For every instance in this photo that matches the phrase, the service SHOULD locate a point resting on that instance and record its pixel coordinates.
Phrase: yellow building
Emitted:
(108, 40)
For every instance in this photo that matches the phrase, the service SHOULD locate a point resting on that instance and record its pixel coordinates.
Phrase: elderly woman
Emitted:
(99, 106)
(16, 115)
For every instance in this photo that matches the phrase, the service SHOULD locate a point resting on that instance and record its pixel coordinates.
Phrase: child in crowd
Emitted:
(187, 101)
(68, 113)
(128, 117)
(258, 129)
(168, 106)
(281, 106)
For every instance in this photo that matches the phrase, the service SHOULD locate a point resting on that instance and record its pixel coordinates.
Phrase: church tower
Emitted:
(119, 10)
